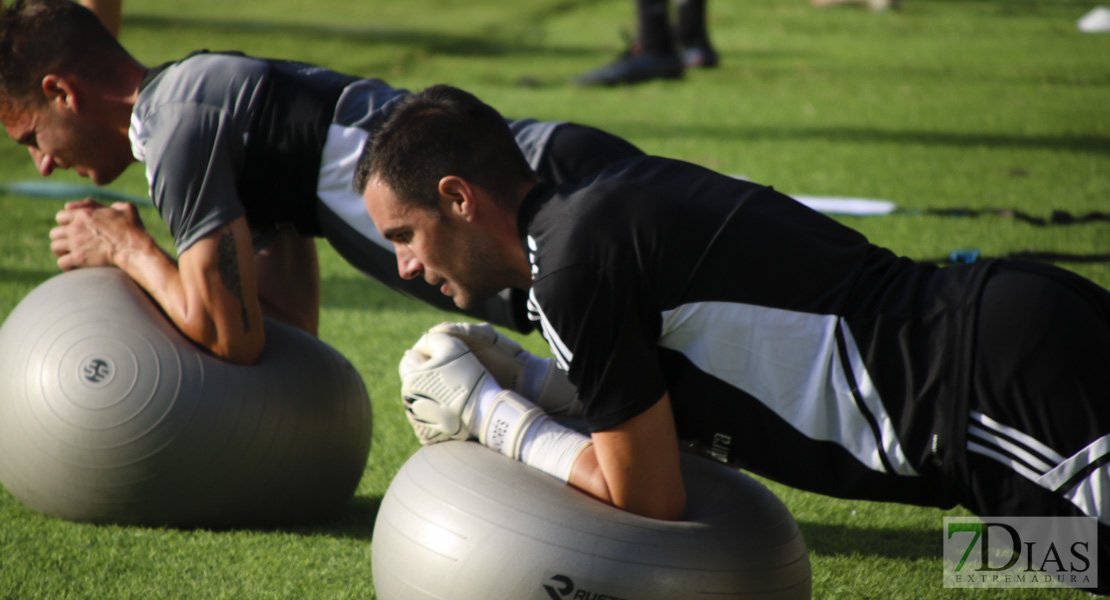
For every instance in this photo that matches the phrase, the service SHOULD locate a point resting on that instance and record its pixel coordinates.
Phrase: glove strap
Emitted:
(506, 420)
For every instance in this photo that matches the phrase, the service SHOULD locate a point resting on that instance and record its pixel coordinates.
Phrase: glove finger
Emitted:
(412, 361)
(482, 339)
(441, 348)
(483, 334)
(424, 433)
(432, 415)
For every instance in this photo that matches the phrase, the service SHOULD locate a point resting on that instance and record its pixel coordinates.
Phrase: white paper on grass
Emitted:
(860, 207)
(1095, 21)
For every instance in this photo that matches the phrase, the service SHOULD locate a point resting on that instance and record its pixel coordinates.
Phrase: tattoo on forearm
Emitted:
(229, 272)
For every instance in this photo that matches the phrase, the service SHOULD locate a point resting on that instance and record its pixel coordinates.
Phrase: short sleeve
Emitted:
(604, 327)
(192, 156)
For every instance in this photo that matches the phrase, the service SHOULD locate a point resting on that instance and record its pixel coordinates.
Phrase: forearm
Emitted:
(635, 466)
(196, 302)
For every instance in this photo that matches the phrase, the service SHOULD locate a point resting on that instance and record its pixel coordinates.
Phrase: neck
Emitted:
(126, 91)
(522, 269)
(120, 95)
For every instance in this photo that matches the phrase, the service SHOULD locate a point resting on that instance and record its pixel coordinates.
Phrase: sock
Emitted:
(654, 32)
(692, 31)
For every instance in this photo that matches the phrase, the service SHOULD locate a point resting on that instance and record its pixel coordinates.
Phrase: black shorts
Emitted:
(1038, 434)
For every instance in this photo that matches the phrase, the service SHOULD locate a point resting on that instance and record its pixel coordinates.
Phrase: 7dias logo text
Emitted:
(1020, 552)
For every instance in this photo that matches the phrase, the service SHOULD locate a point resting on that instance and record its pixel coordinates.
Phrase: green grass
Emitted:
(945, 104)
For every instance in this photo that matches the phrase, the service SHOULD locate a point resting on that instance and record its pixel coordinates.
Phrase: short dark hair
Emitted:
(39, 37)
(437, 132)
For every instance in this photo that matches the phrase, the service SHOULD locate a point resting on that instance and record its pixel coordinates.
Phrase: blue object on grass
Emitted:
(62, 190)
(964, 257)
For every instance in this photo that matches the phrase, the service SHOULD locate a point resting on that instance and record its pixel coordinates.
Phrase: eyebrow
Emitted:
(28, 138)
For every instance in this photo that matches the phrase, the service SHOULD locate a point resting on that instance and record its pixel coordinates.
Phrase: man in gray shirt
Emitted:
(247, 159)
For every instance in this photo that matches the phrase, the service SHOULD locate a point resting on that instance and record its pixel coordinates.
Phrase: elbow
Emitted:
(664, 509)
(238, 347)
(243, 351)
(675, 512)
(669, 506)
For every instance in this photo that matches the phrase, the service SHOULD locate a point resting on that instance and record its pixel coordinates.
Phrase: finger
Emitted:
(59, 247)
(411, 361)
(80, 204)
(66, 263)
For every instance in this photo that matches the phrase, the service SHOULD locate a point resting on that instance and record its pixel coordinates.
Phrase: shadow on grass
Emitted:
(1091, 144)
(25, 277)
(354, 522)
(845, 540)
(437, 42)
(516, 36)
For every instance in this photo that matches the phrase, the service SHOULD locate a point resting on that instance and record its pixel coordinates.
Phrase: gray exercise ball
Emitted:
(461, 522)
(109, 414)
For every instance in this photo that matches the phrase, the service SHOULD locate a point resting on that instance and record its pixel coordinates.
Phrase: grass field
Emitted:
(948, 103)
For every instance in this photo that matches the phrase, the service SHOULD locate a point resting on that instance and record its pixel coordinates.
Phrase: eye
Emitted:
(401, 238)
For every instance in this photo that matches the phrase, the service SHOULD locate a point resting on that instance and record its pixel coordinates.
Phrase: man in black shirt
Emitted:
(684, 304)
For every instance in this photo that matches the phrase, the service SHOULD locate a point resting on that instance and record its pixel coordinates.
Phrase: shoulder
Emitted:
(218, 65)
(211, 79)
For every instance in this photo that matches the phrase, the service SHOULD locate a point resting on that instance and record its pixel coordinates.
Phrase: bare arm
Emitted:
(289, 281)
(210, 293)
(635, 465)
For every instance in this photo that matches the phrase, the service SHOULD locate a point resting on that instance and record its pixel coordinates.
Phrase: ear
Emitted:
(458, 196)
(61, 89)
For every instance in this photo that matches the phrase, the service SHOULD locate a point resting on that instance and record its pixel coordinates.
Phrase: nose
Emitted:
(43, 162)
(408, 265)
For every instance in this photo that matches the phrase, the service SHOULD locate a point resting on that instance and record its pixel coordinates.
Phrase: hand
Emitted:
(90, 234)
(440, 381)
(514, 368)
(501, 355)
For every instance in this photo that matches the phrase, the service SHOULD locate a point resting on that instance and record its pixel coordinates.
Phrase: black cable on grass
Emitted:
(1058, 217)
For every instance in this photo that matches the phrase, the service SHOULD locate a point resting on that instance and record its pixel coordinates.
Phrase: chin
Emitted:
(463, 302)
(104, 177)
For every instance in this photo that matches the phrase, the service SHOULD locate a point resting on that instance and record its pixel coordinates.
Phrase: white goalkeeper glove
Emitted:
(537, 379)
(449, 395)
(440, 382)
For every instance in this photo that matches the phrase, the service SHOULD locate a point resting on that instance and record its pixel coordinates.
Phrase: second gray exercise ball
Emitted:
(462, 522)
